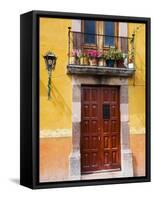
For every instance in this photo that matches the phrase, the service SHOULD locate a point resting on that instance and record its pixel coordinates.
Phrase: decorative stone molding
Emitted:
(94, 80)
(96, 70)
(55, 133)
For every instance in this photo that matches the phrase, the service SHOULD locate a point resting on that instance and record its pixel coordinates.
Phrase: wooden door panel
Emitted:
(106, 159)
(114, 141)
(114, 126)
(85, 160)
(90, 129)
(86, 110)
(86, 95)
(100, 128)
(106, 96)
(114, 110)
(94, 127)
(111, 127)
(105, 126)
(114, 157)
(94, 142)
(94, 94)
(94, 160)
(114, 95)
(85, 127)
(94, 110)
(86, 142)
(106, 142)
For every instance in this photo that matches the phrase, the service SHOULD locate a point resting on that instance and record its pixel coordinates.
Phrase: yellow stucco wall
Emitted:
(56, 113)
(137, 83)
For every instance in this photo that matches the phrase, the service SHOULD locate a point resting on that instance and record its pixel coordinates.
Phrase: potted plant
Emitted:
(131, 60)
(92, 55)
(100, 59)
(119, 57)
(83, 58)
(73, 57)
(110, 57)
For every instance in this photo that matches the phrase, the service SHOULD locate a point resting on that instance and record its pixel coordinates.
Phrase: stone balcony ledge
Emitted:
(97, 70)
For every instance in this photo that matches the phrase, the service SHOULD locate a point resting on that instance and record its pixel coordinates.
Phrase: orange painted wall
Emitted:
(54, 155)
(137, 142)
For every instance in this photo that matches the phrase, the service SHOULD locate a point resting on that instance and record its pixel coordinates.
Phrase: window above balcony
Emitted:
(98, 54)
(89, 27)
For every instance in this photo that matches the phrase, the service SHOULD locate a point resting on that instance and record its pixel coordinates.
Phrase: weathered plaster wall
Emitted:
(56, 113)
(137, 83)
(137, 102)
(54, 153)
(137, 143)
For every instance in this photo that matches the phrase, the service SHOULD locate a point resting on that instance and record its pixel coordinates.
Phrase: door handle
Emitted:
(99, 138)
(99, 129)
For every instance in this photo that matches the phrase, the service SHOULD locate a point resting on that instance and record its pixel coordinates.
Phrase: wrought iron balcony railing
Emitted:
(100, 51)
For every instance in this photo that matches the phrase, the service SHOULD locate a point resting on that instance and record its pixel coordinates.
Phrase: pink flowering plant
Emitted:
(73, 53)
(82, 54)
(93, 54)
(100, 55)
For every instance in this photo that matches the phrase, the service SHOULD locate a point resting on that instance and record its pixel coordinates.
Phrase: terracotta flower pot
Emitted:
(93, 61)
(72, 60)
(100, 62)
(84, 61)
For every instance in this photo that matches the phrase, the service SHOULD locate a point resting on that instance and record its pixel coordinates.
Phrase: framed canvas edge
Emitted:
(70, 15)
(35, 101)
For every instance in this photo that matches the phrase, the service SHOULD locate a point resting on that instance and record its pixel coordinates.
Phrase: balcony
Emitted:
(95, 54)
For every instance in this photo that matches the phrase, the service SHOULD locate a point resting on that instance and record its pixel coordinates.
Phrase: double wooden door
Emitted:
(100, 128)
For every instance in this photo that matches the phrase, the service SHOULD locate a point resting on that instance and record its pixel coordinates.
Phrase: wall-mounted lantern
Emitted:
(50, 61)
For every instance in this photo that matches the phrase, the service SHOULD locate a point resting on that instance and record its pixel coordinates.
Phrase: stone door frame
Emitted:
(126, 154)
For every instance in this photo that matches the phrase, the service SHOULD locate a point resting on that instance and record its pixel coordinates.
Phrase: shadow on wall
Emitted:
(56, 96)
(43, 89)
(140, 79)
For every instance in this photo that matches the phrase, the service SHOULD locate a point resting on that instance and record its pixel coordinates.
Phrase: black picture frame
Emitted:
(29, 99)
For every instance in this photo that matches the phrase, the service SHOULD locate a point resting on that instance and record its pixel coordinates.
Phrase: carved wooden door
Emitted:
(100, 128)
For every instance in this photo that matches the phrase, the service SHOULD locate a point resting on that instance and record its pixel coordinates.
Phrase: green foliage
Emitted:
(114, 54)
(119, 55)
(110, 55)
